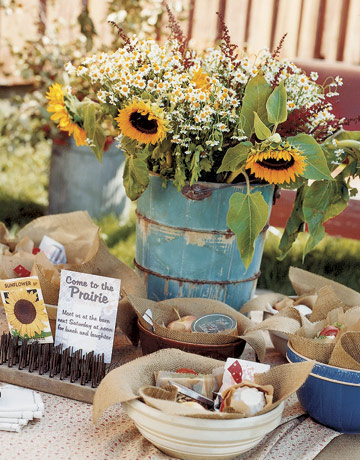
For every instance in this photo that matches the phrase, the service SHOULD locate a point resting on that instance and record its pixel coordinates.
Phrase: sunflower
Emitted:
(277, 166)
(57, 105)
(143, 122)
(201, 80)
(25, 313)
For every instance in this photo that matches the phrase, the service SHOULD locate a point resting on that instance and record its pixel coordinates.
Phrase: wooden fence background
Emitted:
(321, 29)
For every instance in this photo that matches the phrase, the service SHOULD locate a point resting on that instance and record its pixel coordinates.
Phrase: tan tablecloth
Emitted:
(67, 432)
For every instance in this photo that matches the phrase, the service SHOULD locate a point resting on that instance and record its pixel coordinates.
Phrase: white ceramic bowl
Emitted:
(195, 438)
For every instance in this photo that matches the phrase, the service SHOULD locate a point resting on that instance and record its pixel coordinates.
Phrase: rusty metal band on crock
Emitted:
(228, 233)
(187, 280)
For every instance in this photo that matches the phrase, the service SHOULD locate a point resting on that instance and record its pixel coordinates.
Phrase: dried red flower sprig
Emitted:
(226, 46)
(276, 52)
(178, 35)
(122, 35)
(285, 68)
(298, 122)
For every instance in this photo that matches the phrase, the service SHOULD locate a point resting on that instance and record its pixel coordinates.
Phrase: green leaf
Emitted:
(323, 200)
(180, 175)
(235, 157)
(136, 177)
(313, 240)
(316, 166)
(129, 145)
(294, 225)
(165, 145)
(276, 105)
(261, 130)
(347, 135)
(143, 154)
(89, 115)
(145, 96)
(195, 166)
(98, 139)
(256, 94)
(247, 217)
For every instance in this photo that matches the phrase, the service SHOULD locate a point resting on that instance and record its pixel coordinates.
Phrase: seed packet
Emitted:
(25, 309)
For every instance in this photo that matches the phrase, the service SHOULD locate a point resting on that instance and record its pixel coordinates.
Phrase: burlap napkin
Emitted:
(303, 340)
(163, 312)
(287, 321)
(326, 301)
(136, 378)
(346, 353)
(261, 302)
(304, 282)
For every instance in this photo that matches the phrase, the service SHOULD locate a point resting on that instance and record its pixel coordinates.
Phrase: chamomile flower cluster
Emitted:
(302, 90)
(167, 97)
(199, 105)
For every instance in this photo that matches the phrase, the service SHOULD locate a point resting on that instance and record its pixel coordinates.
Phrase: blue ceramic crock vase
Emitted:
(184, 247)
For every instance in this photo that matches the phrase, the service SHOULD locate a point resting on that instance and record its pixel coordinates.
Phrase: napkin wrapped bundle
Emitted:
(344, 351)
(85, 252)
(136, 380)
(230, 405)
(314, 291)
(163, 313)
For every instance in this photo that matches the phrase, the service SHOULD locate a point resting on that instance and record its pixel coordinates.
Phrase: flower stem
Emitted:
(348, 143)
(168, 159)
(233, 175)
(236, 173)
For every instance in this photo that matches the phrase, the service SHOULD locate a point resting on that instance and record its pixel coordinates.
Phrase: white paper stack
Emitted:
(18, 406)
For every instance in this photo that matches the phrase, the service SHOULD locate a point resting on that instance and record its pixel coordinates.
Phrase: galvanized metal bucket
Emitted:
(79, 182)
(184, 247)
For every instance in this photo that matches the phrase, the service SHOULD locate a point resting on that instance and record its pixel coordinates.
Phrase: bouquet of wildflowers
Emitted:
(220, 117)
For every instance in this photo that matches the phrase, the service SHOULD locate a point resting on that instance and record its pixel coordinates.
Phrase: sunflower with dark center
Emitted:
(142, 122)
(277, 166)
(26, 313)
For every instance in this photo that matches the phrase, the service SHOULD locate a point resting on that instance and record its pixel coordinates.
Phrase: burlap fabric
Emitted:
(326, 301)
(163, 313)
(85, 252)
(136, 378)
(304, 343)
(287, 321)
(303, 282)
(261, 302)
(239, 407)
(346, 353)
(307, 286)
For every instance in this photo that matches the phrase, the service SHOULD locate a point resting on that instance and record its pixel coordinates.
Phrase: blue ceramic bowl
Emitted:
(330, 395)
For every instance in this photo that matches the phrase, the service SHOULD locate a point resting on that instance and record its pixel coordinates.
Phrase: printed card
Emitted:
(237, 370)
(25, 309)
(87, 311)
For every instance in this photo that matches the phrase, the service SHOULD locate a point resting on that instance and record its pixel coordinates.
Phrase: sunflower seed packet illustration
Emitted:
(25, 309)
